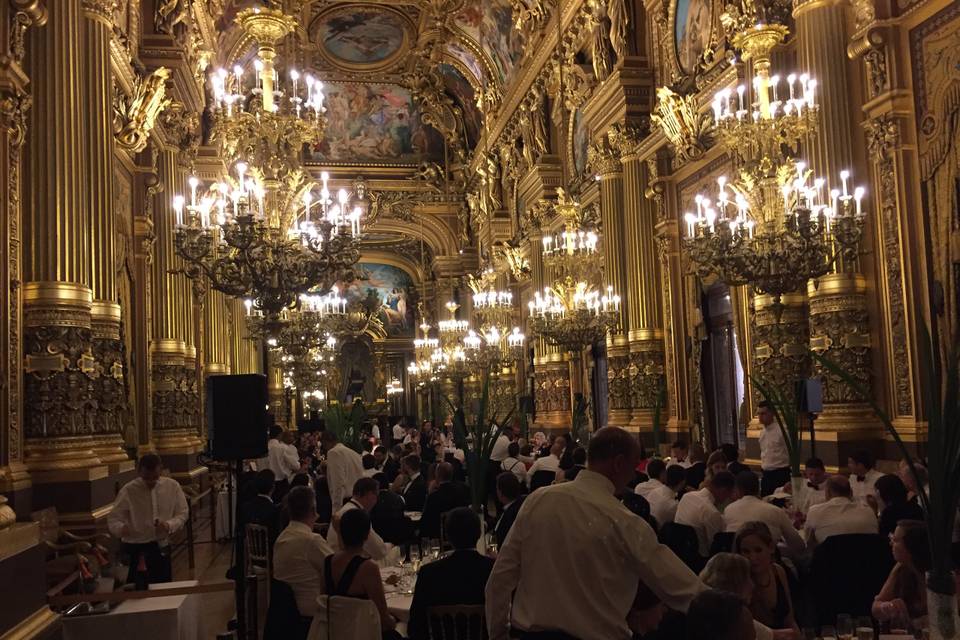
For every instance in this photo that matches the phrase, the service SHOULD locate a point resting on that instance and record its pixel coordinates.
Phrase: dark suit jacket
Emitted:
(261, 510)
(459, 578)
(502, 528)
(415, 495)
(391, 468)
(445, 497)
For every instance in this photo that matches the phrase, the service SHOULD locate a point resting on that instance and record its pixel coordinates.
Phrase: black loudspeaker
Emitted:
(526, 404)
(810, 395)
(237, 417)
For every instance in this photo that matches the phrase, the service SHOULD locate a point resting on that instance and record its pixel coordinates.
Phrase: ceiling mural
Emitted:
(374, 122)
(490, 22)
(361, 36)
(462, 91)
(467, 58)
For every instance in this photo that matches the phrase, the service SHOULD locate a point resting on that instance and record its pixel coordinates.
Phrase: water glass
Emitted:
(844, 627)
(864, 628)
(828, 633)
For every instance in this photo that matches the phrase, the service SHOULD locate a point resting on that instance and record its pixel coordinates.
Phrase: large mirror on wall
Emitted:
(722, 370)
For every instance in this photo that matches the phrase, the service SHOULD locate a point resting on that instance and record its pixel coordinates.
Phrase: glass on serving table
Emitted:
(844, 627)
(864, 628)
(828, 633)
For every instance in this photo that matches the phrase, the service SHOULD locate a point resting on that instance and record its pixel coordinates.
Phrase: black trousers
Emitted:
(156, 558)
(772, 479)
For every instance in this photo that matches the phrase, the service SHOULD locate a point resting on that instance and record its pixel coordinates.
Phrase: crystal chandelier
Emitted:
(577, 310)
(492, 307)
(256, 116)
(774, 225)
(394, 388)
(246, 241)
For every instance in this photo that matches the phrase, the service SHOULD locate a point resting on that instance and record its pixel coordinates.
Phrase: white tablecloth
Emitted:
(160, 618)
(223, 515)
(398, 601)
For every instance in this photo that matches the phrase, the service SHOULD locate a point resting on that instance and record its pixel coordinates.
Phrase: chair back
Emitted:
(722, 543)
(456, 622)
(284, 621)
(682, 540)
(542, 478)
(339, 617)
(847, 572)
(257, 550)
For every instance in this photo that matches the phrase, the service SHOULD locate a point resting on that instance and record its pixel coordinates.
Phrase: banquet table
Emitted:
(160, 618)
(399, 599)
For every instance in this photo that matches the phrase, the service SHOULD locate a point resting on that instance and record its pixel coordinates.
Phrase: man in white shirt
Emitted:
(701, 509)
(365, 492)
(680, 451)
(500, 448)
(863, 477)
(840, 514)
(299, 552)
(344, 468)
(147, 511)
(662, 493)
(774, 455)
(398, 433)
(546, 463)
(748, 507)
(813, 490)
(580, 540)
(513, 464)
(282, 459)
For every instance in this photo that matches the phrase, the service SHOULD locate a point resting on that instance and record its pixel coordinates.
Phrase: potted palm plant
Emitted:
(942, 402)
(346, 424)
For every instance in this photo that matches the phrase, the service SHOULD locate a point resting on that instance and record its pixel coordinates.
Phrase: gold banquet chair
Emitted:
(456, 622)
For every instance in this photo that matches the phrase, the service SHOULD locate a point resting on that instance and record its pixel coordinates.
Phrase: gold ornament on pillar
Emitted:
(135, 115)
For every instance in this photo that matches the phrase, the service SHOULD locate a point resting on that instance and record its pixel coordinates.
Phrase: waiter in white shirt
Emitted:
(282, 460)
(546, 463)
(147, 511)
(863, 477)
(578, 538)
(840, 514)
(701, 509)
(344, 468)
(398, 432)
(774, 455)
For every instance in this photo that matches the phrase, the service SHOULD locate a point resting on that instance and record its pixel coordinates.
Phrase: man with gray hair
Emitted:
(840, 514)
(598, 552)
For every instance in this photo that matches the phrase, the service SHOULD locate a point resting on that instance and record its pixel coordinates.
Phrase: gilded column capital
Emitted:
(102, 10)
(628, 138)
(603, 158)
(134, 116)
(183, 130)
(883, 135)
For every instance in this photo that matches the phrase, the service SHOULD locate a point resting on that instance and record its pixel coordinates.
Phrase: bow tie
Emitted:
(861, 478)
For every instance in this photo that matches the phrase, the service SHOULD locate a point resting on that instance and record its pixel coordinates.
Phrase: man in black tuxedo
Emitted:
(458, 579)
(509, 493)
(447, 496)
(261, 509)
(415, 493)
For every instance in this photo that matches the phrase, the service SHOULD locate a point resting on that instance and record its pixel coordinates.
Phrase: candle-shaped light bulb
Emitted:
(844, 176)
(241, 169)
(857, 197)
(792, 80)
(740, 90)
(812, 86)
(774, 81)
(342, 197)
(194, 183)
(178, 208)
(307, 199)
(248, 303)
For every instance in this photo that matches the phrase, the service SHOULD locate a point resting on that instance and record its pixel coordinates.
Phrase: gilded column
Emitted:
(839, 322)
(604, 160)
(173, 367)
(146, 186)
(216, 336)
(109, 401)
(59, 368)
(642, 295)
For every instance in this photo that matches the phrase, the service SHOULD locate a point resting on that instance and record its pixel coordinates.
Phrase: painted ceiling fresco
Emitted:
(462, 91)
(361, 35)
(394, 287)
(490, 22)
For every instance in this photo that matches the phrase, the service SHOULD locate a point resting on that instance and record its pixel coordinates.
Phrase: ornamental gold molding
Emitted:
(28, 13)
(136, 115)
(171, 16)
(603, 158)
(689, 131)
(183, 131)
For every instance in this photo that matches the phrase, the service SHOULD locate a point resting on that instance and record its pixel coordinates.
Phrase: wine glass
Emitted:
(864, 628)
(828, 633)
(415, 560)
(844, 627)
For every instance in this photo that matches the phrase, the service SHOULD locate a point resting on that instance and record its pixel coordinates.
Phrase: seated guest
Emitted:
(662, 488)
(697, 470)
(891, 495)
(459, 473)
(446, 496)
(719, 615)
(391, 464)
(731, 572)
(369, 463)
(910, 482)
(148, 510)
(748, 507)
(509, 493)
(299, 553)
(583, 588)
(414, 492)
(813, 490)
(458, 579)
(348, 573)
(732, 454)
(566, 452)
(862, 476)
(513, 464)
(549, 463)
(657, 474)
(701, 509)
(839, 514)
(770, 603)
(579, 459)
(365, 495)
(260, 509)
(379, 457)
(679, 452)
(715, 463)
(903, 598)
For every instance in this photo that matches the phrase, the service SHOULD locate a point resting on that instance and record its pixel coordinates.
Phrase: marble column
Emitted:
(604, 161)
